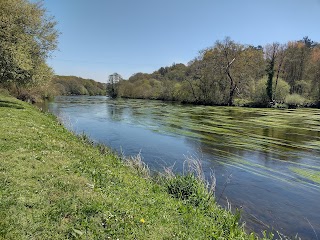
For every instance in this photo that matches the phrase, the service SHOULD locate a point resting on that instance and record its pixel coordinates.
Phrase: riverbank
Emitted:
(56, 186)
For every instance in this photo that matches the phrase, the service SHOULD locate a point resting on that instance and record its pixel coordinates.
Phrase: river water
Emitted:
(266, 161)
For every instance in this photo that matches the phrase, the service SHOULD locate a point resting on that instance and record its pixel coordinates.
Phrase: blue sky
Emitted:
(100, 37)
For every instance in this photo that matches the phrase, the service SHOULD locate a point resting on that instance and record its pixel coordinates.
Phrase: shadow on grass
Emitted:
(9, 104)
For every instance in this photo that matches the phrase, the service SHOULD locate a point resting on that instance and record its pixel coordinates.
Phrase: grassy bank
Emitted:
(54, 185)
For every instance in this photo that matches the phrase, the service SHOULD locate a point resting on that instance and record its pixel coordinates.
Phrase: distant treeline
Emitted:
(230, 73)
(71, 85)
(57, 86)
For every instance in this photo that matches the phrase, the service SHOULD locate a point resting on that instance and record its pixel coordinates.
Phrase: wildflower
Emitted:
(142, 220)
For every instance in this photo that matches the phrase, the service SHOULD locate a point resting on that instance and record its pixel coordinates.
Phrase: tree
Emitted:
(237, 63)
(271, 53)
(296, 63)
(224, 71)
(281, 56)
(308, 42)
(260, 96)
(27, 38)
(275, 55)
(314, 72)
(112, 86)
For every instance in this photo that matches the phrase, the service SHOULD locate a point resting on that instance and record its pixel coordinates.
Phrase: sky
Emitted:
(100, 37)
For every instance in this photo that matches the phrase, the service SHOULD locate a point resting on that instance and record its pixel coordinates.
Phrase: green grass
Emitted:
(55, 185)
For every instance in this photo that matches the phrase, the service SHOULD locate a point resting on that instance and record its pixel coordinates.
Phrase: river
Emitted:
(266, 161)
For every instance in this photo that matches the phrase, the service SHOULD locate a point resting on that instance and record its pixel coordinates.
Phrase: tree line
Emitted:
(231, 73)
(71, 85)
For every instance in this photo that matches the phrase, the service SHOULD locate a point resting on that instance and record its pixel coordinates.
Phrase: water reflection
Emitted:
(257, 147)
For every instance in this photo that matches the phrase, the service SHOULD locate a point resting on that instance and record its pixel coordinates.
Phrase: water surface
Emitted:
(267, 162)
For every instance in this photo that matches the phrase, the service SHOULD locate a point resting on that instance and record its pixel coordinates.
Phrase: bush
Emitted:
(294, 100)
(26, 96)
(188, 188)
(71, 85)
(303, 88)
(4, 92)
(279, 92)
(241, 102)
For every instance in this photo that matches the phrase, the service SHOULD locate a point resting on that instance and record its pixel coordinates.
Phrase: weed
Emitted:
(192, 186)
(136, 163)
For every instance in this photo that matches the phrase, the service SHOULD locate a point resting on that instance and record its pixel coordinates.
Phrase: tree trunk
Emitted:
(232, 84)
(232, 90)
(192, 89)
(270, 73)
(277, 78)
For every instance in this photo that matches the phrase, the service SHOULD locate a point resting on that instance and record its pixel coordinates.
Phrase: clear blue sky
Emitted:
(100, 37)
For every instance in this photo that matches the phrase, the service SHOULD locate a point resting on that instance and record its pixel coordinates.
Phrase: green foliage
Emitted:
(189, 189)
(270, 73)
(162, 84)
(138, 165)
(239, 102)
(297, 54)
(4, 92)
(294, 100)
(313, 73)
(261, 97)
(27, 37)
(229, 70)
(142, 88)
(205, 80)
(71, 85)
(302, 87)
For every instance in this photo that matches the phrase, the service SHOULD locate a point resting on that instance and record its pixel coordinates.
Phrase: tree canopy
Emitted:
(27, 38)
(71, 85)
(229, 71)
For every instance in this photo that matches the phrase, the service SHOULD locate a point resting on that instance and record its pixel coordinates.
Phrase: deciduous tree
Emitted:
(27, 38)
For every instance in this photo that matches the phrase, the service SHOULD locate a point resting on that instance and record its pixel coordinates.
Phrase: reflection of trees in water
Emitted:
(115, 112)
(136, 112)
(119, 109)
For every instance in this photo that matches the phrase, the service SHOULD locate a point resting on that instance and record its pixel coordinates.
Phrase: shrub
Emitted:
(4, 92)
(241, 102)
(138, 165)
(294, 100)
(302, 87)
(188, 188)
(27, 97)
(279, 92)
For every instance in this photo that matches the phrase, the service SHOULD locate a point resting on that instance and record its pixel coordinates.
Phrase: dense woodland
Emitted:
(71, 85)
(230, 73)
